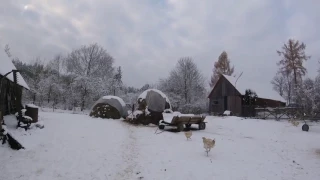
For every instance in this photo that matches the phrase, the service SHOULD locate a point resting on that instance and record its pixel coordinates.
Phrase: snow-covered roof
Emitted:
(6, 66)
(262, 90)
(115, 102)
(143, 95)
(123, 104)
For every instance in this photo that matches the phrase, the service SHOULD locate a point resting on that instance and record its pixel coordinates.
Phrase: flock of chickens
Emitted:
(208, 144)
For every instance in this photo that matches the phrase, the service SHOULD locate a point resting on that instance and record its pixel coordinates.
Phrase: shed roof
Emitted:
(263, 90)
(6, 66)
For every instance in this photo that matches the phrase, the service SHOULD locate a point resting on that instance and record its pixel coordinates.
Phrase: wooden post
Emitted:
(0, 121)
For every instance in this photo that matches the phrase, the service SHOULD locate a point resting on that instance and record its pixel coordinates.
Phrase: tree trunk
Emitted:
(34, 98)
(185, 91)
(1, 121)
(83, 99)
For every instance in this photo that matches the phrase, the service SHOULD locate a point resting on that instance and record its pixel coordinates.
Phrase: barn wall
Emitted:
(216, 105)
(7, 96)
(269, 103)
(223, 89)
(3, 95)
(235, 105)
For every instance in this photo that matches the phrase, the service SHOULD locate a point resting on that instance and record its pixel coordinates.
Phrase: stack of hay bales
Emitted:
(154, 100)
(111, 107)
(152, 103)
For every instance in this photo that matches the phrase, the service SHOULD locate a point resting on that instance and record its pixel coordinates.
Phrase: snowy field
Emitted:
(75, 147)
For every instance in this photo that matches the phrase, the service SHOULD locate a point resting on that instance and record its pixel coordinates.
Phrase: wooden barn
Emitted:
(9, 91)
(229, 91)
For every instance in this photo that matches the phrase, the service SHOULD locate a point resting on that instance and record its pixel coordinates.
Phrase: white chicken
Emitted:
(188, 134)
(208, 144)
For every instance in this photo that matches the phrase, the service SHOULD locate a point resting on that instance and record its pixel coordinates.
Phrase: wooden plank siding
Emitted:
(261, 102)
(235, 105)
(8, 95)
(224, 89)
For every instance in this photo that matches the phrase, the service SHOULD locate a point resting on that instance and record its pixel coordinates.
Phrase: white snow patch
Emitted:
(123, 104)
(74, 146)
(32, 106)
(167, 117)
(227, 112)
(188, 115)
(143, 95)
(28, 117)
(137, 112)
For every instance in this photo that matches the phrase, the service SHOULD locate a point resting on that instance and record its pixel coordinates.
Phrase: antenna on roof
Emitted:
(237, 79)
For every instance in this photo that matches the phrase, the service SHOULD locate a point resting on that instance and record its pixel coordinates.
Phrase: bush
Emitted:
(197, 108)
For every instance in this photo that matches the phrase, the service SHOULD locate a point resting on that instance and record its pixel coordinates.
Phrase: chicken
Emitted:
(208, 144)
(188, 134)
(295, 123)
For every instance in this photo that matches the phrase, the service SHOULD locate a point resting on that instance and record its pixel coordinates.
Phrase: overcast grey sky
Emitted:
(156, 33)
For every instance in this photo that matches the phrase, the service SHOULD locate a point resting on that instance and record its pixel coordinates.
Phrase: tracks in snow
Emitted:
(130, 155)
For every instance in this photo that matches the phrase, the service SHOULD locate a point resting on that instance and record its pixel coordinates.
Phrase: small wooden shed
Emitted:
(9, 91)
(229, 91)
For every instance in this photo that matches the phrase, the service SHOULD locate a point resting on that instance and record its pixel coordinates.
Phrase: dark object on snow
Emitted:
(104, 110)
(24, 122)
(14, 144)
(305, 127)
(151, 104)
(6, 137)
(32, 111)
(111, 107)
(3, 136)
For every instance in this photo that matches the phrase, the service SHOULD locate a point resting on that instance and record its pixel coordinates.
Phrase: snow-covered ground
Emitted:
(76, 146)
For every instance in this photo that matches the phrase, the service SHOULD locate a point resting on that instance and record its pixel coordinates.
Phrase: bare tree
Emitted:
(278, 83)
(293, 55)
(92, 66)
(283, 84)
(7, 50)
(222, 66)
(187, 79)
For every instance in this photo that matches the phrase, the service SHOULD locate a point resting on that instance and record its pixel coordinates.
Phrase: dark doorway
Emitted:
(225, 103)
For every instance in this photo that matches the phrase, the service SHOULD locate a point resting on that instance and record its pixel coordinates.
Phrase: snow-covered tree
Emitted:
(116, 85)
(91, 65)
(185, 85)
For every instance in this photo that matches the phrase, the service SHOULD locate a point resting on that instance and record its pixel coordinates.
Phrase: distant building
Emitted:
(228, 94)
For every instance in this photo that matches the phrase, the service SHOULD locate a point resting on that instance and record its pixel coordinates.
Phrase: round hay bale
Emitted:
(104, 110)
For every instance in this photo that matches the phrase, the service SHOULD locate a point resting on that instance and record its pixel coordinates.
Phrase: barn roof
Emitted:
(263, 90)
(6, 66)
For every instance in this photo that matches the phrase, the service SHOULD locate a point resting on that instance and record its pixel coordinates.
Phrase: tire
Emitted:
(180, 127)
(161, 127)
(305, 127)
(202, 126)
(188, 125)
